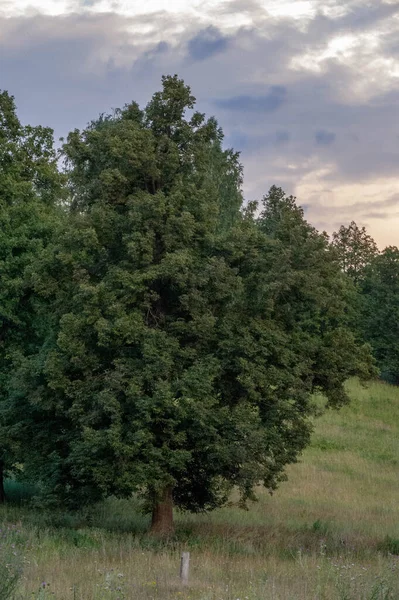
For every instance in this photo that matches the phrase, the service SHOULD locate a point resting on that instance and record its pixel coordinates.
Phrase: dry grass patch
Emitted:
(330, 532)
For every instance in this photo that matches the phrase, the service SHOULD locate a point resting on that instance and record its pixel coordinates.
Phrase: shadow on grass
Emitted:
(116, 517)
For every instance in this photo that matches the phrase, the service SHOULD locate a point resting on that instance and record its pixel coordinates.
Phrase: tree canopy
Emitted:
(355, 249)
(374, 310)
(30, 185)
(185, 332)
(379, 314)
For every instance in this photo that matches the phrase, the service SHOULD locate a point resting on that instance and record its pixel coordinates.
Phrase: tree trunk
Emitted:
(2, 493)
(162, 514)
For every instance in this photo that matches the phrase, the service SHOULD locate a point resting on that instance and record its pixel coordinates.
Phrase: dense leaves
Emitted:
(29, 186)
(355, 249)
(315, 300)
(374, 308)
(184, 334)
(380, 311)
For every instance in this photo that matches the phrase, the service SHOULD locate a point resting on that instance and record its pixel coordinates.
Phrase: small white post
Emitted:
(184, 567)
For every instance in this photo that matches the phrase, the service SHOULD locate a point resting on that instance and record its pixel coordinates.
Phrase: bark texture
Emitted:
(162, 514)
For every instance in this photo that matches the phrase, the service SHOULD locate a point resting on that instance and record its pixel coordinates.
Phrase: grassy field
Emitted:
(330, 532)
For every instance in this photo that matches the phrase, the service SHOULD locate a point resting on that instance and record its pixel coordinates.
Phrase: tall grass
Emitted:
(10, 562)
(331, 532)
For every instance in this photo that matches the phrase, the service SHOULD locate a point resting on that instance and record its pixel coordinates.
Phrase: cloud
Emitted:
(310, 98)
(65, 70)
(206, 43)
(381, 207)
(246, 103)
(324, 138)
(379, 215)
(282, 137)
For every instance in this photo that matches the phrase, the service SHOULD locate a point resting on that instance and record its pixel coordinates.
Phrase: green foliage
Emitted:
(29, 186)
(320, 534)
(312, 302)
(18, 492)
(380, 311)
(184, 335)
(390, 545)
(355, 249)
(375, 306)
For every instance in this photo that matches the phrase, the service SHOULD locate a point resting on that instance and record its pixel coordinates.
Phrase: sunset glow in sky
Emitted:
(308, 90)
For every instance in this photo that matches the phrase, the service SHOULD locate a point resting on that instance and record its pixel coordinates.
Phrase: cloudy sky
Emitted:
(308, 90)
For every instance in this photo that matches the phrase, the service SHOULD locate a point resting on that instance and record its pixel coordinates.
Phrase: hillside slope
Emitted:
(331, 532)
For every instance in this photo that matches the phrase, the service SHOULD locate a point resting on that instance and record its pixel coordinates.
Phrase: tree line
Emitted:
(158, 335)
(375, 275)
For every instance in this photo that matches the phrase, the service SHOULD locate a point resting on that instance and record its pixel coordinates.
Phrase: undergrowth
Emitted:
(331, 532)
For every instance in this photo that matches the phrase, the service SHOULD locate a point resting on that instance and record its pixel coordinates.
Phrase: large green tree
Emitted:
(29, 186)
(315, 302)
(188, 332)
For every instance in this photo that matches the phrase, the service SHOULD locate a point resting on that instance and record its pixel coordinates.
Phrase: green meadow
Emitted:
(331, 531)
